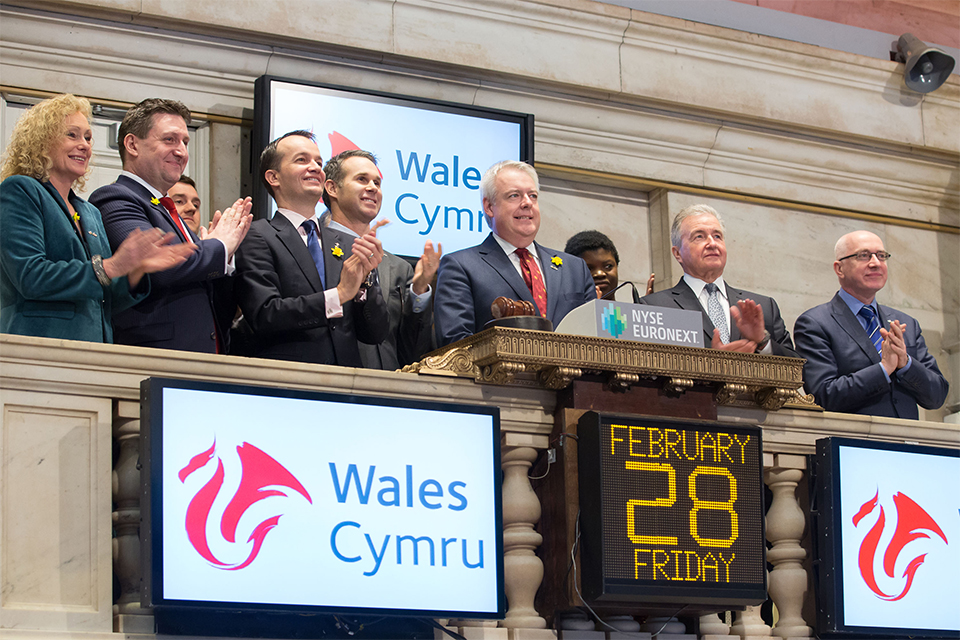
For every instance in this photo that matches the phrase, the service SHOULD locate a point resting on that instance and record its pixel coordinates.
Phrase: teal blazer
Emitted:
(47, 284)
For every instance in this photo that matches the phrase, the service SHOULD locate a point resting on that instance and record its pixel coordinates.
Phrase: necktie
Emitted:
(715, 311)
(172, 210)
(533, 279)
(873, 326)
(313, 244)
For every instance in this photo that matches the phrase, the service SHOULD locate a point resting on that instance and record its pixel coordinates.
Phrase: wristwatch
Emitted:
(763, 343)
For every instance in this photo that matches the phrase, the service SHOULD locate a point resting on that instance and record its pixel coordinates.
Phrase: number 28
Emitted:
(698, 504)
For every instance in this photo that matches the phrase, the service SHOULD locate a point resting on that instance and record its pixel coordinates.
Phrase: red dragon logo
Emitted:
(258, 471)
(912, 522)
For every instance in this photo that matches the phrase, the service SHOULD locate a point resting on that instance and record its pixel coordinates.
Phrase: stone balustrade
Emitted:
(69, 501)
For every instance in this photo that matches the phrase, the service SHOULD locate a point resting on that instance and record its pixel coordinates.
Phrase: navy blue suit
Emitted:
(281, 295)
(471, 279)
(179, 312)
(682, 296)
(842, 369)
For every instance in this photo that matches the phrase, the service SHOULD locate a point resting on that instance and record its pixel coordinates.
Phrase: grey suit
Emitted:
(410, 334)
(682, 296)
(841, 369)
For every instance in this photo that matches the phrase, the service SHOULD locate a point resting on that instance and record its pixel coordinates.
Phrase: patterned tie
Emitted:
(533, 279)
(172, 210)
(313, 244)
(873, 326)
(715, 311)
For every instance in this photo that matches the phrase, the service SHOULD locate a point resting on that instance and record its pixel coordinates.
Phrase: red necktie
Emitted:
(172, 210)
(533, 279)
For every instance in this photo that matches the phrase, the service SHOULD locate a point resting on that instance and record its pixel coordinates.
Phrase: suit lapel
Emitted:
(849, 323)
(142, 192)
(290, 238)
(551, 278)
(332, 264)
(683, 296)
(493, 255)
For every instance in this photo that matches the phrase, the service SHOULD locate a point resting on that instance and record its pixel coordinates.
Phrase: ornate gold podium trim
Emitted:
(548, 360)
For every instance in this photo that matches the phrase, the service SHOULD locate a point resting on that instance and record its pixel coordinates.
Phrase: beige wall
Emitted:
(632, 111)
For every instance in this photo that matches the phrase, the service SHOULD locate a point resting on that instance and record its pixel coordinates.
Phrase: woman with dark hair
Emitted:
(602, 258)
(58, 277)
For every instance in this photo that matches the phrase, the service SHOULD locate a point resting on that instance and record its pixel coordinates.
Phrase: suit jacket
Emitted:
(841, 369)
(47, 284)
(471, 279)
(682, 296)
(281, 295)
(179, 312)
(409, 335)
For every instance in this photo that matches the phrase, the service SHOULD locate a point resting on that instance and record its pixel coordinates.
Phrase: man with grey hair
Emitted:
(733, 319)
(508, 263)
(864, 357)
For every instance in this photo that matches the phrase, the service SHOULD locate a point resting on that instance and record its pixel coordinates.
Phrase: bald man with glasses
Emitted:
(864, 357)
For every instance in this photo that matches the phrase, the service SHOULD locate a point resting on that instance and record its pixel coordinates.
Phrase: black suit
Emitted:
(682, 296)
(410, 334)
(281, 295)
(842, 369)
(179, 312)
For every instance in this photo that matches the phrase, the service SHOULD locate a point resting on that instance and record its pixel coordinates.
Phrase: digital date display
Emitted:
(671, 512)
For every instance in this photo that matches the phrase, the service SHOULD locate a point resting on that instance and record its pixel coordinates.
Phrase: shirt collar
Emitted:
(854, 304)
(138, 179)
(697, 285)
(509, 248)
(295, 218)
(333, 224)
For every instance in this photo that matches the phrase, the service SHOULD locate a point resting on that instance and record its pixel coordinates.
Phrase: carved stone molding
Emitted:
(547, 360)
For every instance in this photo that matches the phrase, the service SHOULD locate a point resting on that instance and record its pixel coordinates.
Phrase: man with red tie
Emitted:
(508, 263)
(179, 312)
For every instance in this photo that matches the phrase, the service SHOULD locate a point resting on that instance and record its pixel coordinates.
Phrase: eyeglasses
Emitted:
(864, 256)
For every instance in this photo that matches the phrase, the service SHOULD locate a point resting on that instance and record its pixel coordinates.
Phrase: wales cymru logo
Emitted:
(912, 523)
(614, 322)
(258, 471)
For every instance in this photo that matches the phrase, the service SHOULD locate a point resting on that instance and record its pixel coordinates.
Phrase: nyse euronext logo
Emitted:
(614, 321)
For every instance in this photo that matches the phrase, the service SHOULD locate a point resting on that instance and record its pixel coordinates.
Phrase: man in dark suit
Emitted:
(179, 312)
(733, 319)
(856, 364)
(508, 263)
(352, 194)
(304, 290)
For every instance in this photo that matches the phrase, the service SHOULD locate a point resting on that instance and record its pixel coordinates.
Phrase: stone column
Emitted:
(129, 616)
(523, 570)
(713, 627)
(785, 526)
(749, 624)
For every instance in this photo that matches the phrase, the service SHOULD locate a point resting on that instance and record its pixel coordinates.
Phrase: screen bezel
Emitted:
(262, 116)
(151, 460)
(828, 543)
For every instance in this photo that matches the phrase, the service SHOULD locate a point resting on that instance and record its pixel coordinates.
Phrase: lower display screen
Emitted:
(671, 512)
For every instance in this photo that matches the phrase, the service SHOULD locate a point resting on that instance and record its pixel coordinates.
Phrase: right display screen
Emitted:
(888, 539)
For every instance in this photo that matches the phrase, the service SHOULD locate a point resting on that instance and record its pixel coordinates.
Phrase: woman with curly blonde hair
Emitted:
(58, 277)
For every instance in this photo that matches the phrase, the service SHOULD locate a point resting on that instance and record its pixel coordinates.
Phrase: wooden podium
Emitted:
(609, 376)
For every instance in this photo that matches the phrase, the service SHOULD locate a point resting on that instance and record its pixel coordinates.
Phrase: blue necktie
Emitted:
(873, 326)
(715, 312)
(313, 244)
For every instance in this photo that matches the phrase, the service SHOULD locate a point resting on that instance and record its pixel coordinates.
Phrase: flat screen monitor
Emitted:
(887, 536)
(265, 499)
(432, 154)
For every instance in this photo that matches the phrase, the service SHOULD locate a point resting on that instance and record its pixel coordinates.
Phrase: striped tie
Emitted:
(533, 279)
(873, 326)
